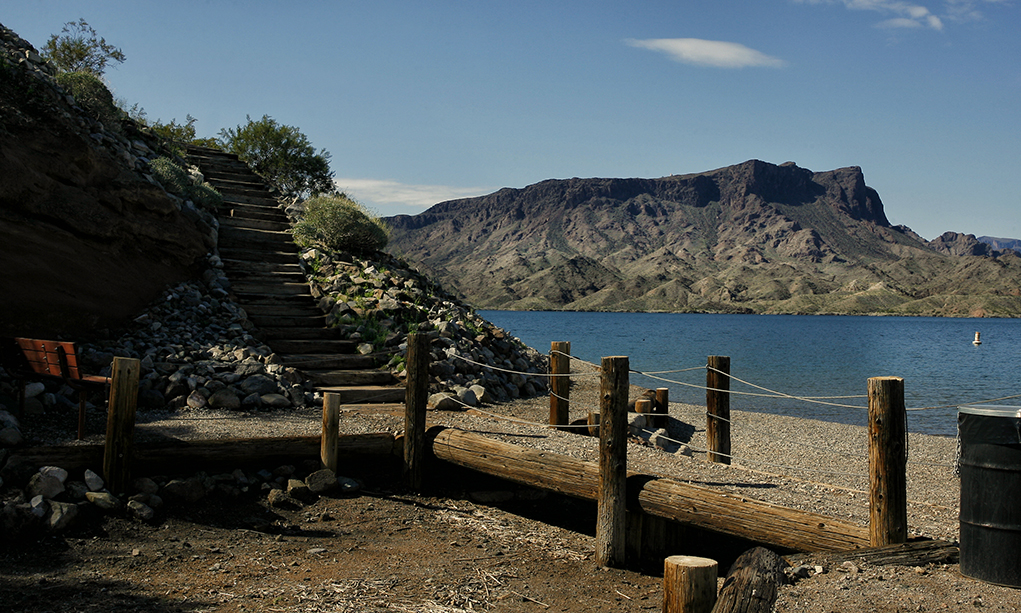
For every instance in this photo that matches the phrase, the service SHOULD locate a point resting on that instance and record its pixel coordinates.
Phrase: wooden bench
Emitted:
(53, 361)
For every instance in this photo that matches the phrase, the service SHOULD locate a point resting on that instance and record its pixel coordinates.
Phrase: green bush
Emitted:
(92, 95)
(176, 180)
(337, 223)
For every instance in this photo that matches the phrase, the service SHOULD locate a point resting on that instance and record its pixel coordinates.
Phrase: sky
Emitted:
(421, 102)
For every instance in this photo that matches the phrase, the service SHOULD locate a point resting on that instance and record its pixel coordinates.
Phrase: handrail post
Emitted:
(560, 383)
(611, 521)
(416, 397)
(717, 404)
(888, 513)
(120, 423)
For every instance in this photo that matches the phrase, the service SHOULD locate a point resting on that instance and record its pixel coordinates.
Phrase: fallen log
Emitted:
(912, 553)
(752, 583)
(755, 520)
(177, 455)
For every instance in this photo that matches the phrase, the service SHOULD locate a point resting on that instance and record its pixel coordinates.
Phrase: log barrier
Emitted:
(560, 383)
(717, 403)
(120, 423)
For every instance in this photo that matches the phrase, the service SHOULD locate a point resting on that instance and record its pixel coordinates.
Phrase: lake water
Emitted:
(799, 355)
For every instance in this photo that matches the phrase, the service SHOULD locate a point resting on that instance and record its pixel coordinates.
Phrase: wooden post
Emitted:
(752, 583)
(643, 405)
(415, 399)
(888, 513)
(689, 584)
(593, 423)
(120, 424)
(559, 383)
(662, 409)
(611, 524)
(331, 430)
(717, 404)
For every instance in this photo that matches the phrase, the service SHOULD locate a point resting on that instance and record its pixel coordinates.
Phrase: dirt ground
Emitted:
(378, 550)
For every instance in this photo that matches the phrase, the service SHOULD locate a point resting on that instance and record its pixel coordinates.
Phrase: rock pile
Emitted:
(51, 501)
(380, 300)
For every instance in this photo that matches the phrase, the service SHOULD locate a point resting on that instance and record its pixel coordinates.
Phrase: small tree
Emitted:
(79, 49)
(337, 223)
(282, 155)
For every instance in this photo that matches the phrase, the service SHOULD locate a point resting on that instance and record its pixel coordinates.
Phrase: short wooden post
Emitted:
(559, 383)
(717, 404)
(662, 409)
(611, 524)
(331, 430)
(643, 405)
(416, 397)
(120, 424)
(888, 513)
(689, 584)
(593, 423)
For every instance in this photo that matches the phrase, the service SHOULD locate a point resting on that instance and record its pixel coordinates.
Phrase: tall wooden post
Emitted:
(120, 423)
(888, 512)
(611, 524)
(416, 397)
(331, 430)
(689, 584)
(662, 409)
(559, 383)
(717, 404)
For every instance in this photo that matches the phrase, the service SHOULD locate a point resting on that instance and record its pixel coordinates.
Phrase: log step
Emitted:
(366, 394)
(262, 268)
(248, 236)
(339, 361)
(274, 290)
(312, 346)
(287, 321)
(349, 377)
(297, 333)
(278, 256)
(273, 225)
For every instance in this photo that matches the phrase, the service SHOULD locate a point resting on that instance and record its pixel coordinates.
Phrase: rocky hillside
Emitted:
(87, 236)
(755, 237)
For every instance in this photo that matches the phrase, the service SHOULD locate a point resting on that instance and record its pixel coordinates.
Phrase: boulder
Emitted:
(61, 515)
(225, 398)
(322, 481)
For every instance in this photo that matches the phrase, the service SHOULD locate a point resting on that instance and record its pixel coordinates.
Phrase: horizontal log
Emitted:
(173, 456)
(912, 553)
(702, 507)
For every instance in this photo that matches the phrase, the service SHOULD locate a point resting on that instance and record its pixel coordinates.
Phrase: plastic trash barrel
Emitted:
(990, 438)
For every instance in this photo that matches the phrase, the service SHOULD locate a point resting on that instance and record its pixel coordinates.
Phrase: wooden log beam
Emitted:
(611, 523)
(752, 583)
(913, 553)
(172, 457)
(694, 505)
(888, 498)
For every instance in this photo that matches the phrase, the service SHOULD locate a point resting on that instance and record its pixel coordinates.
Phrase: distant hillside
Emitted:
(755, 237)
(1002, 243)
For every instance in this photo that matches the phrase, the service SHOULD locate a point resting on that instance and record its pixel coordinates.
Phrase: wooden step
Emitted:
(349, 377)
(239, 191)
(288, 255)
(265, 198)
(285, 321)
(269, 212)
(366, 394)
(241, 178)
(253, 237)
(312, 346)
(249, 288)
(296, 333)
(337, 361)
(267, 277)
(255, 224)
(282, 310)
(261, 268)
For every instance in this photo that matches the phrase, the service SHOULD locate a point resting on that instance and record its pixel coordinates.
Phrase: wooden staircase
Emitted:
(261, 260)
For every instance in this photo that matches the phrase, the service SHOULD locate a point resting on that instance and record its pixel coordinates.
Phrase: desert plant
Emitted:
(282, 155)
(337, 223)
(79, 49)
(92, 95)
(177, 181)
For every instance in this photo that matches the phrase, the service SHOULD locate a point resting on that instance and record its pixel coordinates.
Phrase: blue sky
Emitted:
(420, 102)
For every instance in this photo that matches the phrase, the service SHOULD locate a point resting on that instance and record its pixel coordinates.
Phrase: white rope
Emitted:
(781, 394)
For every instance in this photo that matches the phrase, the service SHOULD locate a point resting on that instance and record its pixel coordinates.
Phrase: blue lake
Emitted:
(799, 355)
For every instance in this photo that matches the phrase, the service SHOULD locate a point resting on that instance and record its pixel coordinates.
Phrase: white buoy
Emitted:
(978, 340)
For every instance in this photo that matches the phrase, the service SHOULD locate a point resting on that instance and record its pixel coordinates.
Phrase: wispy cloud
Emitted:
(714, 53)
(909, 15)
(395, 196)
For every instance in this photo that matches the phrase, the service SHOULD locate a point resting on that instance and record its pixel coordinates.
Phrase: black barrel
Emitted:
(991, 493)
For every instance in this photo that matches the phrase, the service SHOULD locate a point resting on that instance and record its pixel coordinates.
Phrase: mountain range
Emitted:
(751, 238)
